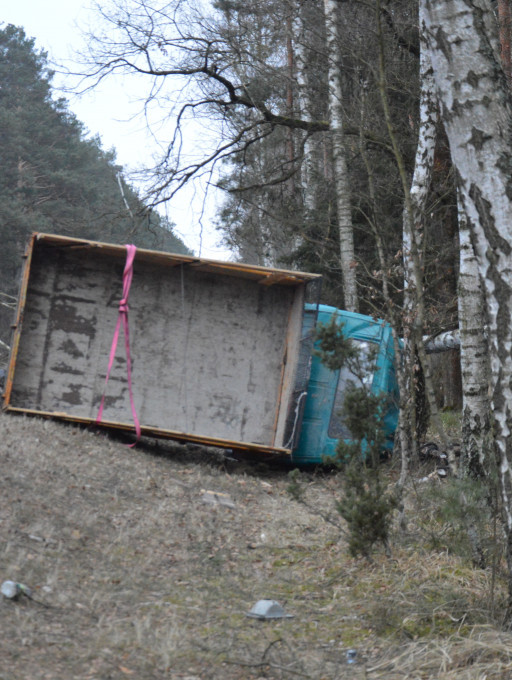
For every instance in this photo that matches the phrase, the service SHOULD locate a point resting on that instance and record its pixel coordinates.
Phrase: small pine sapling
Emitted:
(366, 506)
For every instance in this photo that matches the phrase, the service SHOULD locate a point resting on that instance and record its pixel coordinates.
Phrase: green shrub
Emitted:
(365, 505)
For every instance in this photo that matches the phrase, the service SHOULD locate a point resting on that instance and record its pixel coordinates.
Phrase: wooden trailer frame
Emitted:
(217, 349)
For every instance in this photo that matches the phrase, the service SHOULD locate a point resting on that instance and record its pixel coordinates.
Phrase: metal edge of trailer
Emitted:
(262, 275)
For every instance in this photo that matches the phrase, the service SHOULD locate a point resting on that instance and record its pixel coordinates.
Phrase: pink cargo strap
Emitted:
(123, 318)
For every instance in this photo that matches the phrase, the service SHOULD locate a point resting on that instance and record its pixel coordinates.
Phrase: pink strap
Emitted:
(123, 317)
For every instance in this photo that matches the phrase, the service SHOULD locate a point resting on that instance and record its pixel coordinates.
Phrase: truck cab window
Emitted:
(357, 374)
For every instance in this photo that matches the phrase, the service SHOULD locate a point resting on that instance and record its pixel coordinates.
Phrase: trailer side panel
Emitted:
(213, 354)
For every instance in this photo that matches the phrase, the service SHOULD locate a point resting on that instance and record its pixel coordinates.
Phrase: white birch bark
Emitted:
(341, 182)
(477, 114)
(473, 357)
(423, 165)
(413, 229)
(309, 169)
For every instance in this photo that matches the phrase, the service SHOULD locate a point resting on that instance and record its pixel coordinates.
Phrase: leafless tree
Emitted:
(477, 113)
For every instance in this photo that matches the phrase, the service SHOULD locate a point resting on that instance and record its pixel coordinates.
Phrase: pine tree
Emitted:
(54, 178)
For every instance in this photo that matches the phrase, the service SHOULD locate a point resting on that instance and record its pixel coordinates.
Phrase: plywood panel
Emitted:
(209, 350)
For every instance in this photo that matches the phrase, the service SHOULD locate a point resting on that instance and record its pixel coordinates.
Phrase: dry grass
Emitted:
(144, 580)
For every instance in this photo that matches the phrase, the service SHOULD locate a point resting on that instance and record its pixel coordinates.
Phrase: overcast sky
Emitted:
(55, 25)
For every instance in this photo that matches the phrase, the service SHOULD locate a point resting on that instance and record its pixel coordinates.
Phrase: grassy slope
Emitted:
(144, 580)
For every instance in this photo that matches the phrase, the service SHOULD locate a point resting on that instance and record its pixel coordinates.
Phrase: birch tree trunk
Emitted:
(344, 211)
(473, 357)
(476, 110)
(417, 320)
(309, 170)
(413, 230)
(505, 21)
(289, 98)
(423, 163)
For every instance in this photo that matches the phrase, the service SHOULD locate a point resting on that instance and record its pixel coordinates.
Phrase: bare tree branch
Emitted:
(191, 65)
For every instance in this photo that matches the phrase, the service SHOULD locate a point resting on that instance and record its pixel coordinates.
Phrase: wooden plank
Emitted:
(157, 433)
(289, 277)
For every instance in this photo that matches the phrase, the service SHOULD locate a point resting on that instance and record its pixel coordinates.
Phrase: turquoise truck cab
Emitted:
(322, 422)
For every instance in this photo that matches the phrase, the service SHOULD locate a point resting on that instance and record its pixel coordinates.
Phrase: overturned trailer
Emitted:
(218, 354)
